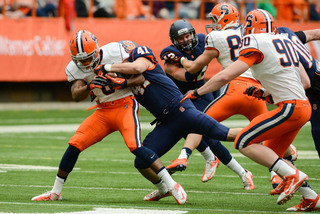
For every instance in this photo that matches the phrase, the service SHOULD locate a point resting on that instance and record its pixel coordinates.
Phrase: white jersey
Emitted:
(278, 70)
(111, 53)
(227, 43)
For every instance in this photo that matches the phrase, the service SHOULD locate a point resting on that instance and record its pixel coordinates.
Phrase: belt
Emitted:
(111, 103)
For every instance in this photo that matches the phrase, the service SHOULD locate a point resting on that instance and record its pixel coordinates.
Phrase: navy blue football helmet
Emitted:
(181, 27)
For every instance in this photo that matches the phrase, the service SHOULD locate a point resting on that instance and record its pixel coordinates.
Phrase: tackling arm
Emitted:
(203, 60)
(312, 35)
(175, 71)
(139, 66)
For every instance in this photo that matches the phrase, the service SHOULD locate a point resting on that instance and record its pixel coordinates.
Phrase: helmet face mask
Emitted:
(183, 35)
(259, 21)
(223, 16)
(84, 50)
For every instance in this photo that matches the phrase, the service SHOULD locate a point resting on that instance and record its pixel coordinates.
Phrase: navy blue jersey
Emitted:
(158, 92)
(198, 78)
(305, 58)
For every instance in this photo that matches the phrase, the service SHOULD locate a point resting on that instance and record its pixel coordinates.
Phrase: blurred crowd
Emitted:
(287, 10)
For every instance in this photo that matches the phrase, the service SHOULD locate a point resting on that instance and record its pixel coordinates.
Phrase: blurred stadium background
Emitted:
(34, 47)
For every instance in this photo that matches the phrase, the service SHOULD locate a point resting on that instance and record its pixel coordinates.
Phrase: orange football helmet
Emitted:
(84, 50)
(259, 21)
(223, 15)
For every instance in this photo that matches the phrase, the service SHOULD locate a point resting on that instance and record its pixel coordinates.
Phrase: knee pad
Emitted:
(144, 155)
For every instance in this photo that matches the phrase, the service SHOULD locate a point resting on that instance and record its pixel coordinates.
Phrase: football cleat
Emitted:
(210, 168)
(156, 196)
(275, 180)
(48, 196)
(247, 181)
(177, 165)
(294, 153)
(306, 205)
(293, 182)
(179, 194)
(279, 189)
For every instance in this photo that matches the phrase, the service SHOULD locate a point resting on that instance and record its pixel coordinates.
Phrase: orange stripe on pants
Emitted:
(279, 126)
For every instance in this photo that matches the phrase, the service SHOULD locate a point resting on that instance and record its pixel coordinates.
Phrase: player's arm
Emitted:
(139, 66)
(203, 60)
(135, 80)
(238, 67)
(175, 71)
(308, 35)
(305, 80)
(79, 90)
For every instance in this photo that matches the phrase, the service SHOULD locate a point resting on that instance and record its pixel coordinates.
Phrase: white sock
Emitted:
(236, 167)
(166, 178)
(183, 154)
(272, 173)
(282, 168)
(58, 184)
(208, 154)
(307, 192)
(162, 187)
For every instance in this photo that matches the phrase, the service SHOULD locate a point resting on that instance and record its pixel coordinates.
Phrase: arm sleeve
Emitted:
(302, 36)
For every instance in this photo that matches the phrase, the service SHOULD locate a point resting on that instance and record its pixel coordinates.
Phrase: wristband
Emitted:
(106, 68)
(195, 92)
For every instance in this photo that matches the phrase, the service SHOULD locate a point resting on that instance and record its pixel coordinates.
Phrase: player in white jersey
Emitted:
(223, 44)
(117, 110)
(275, 64)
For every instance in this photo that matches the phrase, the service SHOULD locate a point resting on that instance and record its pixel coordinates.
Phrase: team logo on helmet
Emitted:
(223, 15)
(259, 21)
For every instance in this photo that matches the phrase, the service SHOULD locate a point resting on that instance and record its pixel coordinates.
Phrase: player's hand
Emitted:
(193, 94)
(97, 82)
(254, 92)
(116, 82)
(258, 93)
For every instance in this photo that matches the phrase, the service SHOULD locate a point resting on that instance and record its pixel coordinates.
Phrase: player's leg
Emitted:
(283, 124)
(93, 129)
(160, 140)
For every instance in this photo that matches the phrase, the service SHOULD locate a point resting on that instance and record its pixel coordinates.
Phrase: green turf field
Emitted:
(105, 180)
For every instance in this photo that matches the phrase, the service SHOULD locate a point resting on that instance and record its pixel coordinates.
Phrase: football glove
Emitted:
(258, 93)
(97, 82)
(99, 70)
(116, 82)
(190, 95)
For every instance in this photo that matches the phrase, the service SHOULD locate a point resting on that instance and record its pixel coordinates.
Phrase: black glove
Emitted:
(258, 93)
(97, 82)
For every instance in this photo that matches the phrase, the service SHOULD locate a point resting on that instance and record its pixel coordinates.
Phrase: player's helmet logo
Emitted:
(128, 45)
(223, 15)
(179, 28)
(84, 50)
(259, 21)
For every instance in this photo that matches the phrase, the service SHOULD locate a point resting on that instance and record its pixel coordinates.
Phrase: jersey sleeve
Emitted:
(209, 42)
(250, 48)
(170, 54)
(142, 51)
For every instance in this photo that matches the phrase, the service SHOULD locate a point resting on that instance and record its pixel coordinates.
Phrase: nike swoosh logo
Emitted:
(152, 156)
(291, 186)
(179, 190)
(305, 208)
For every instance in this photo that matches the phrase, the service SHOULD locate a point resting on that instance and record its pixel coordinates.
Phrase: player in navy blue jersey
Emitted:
(312, 68)
(160, 96)
(186, 43)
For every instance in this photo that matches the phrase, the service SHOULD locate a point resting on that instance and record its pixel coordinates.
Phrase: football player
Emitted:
(186, 43)
(275, 63)
(160, 96)
(117, 110)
